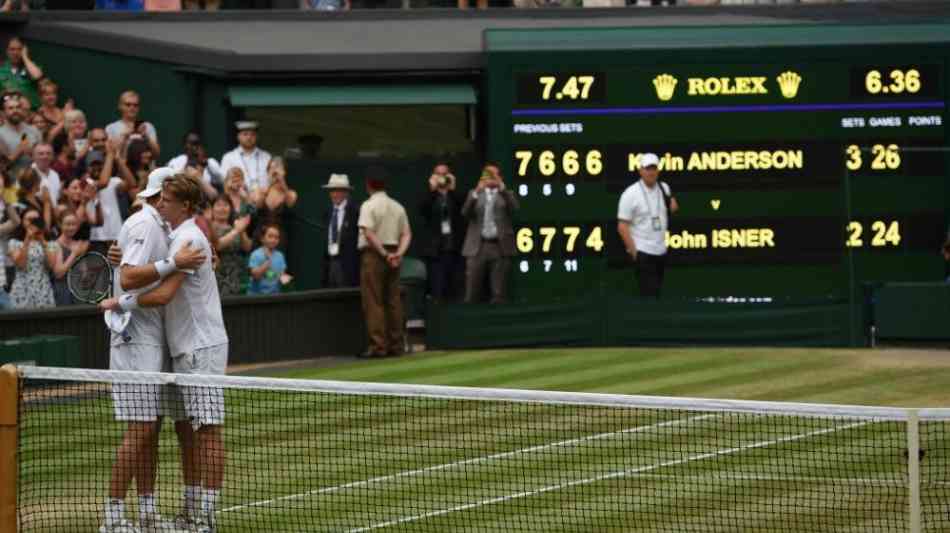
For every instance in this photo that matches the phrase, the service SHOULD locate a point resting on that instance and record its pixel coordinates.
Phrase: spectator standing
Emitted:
(129, 127)
(9, 222)
(19, 73)
(32, 195)
(17, 138)
(10, 185)
(42, 165)
(490, 238)
(325, 5)
(275, 202)
(34, 258)
(79, 198)
(233, 243)
(49, 109)
(384, 238)
(100, 166)
(196, 156)
(69, 248)
(236, 193)
(441, 211)
(267, 264)
(140, 162)
(75, 125)
(341, 262)
(249, 158)
(642, 220)
(39, 122)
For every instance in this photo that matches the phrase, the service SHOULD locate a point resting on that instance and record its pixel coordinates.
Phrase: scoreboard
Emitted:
(795, 176)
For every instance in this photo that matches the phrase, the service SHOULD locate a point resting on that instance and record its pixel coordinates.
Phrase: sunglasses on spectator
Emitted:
(130, 104)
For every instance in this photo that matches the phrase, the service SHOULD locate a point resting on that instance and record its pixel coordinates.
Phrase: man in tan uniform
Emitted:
(383, 241)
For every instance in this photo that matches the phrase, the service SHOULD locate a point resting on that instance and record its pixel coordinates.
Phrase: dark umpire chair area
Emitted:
(261, 329)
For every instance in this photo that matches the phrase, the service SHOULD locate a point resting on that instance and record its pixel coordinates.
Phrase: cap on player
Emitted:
(155, 181)
(649, 160)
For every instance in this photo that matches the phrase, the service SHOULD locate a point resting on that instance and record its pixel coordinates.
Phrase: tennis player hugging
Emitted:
(166, 263)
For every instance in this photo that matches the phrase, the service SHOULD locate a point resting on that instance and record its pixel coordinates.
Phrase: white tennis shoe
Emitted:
(155, 523)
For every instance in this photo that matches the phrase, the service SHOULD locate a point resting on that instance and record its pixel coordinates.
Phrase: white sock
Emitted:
(147, 505)
(189, 503)
(115, 511)
(209, 503)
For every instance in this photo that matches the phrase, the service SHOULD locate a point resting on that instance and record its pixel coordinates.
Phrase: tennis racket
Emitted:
(90, 278)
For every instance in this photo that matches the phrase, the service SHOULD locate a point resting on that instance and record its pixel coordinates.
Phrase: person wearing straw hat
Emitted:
(341, 260)
(251, 159)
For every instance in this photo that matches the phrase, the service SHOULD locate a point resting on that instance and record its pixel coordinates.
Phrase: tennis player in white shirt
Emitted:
(194, 330)
(138, 343)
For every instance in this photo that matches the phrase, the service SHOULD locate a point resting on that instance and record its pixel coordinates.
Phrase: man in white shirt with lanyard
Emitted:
(642, 221)
(137, 344)
(251, 159)
(194, 330)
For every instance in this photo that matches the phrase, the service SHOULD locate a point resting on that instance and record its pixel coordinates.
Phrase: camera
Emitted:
(39, 223)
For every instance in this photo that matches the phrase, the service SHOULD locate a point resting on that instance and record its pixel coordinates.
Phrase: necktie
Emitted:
(334, 231)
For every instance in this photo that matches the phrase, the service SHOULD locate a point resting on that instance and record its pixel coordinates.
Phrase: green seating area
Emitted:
(41, 350)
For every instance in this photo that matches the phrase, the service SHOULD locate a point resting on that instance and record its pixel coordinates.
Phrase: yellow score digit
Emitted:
(896, 82)
(882, 157)
(548, 232)
(570, 162)
(572, 232)
(525, 240)
(547, 83)
(574, 87)
(595, 240)
(883, 234)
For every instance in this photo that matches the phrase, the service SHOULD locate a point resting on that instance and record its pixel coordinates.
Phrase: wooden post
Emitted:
(9, 399)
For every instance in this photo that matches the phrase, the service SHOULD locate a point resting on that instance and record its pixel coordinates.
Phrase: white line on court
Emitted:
(612, 475)
(476, 460)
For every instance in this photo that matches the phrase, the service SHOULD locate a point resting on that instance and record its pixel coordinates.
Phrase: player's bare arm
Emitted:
(623, 228)
(156, 297)
(136, 277)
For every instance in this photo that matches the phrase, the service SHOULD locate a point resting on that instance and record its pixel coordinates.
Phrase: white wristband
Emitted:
(128, 302)
(166, 267)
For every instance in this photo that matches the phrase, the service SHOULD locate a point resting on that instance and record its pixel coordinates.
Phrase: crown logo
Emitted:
(788, 81)
(664, 84)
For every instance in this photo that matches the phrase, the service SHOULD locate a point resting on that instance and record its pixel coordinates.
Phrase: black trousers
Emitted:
(650, 269)
(442, 274)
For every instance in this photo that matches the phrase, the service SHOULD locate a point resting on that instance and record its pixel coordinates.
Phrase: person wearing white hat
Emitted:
(643, 216)
(138, 343)
(341, 259)
(251, 159)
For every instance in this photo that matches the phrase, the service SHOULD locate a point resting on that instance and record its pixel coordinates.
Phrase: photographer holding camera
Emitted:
(444, 229)
(34, 258)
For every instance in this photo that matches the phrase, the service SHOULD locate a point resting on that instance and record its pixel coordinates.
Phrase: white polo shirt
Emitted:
(143, 240)
(111, 215)
(639, 205)
(51, 181)
(193, 318)
(253, 163)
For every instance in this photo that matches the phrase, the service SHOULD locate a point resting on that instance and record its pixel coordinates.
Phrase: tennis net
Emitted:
(340, 456)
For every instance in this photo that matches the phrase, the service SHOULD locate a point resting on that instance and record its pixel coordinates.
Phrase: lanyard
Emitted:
(257, 165)
(643, 190)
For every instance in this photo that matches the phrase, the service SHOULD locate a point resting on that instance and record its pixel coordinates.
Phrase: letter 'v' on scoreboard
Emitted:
(799, 156)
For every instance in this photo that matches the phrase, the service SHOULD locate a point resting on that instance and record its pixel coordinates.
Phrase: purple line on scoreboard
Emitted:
(727, 109)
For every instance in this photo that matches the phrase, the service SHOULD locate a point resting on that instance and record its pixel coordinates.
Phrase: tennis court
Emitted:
(336, 456)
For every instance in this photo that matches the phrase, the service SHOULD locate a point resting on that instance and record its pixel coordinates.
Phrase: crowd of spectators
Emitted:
(66, 188)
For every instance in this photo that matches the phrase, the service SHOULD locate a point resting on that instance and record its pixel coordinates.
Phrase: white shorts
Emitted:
(134, 402)
(204, 406)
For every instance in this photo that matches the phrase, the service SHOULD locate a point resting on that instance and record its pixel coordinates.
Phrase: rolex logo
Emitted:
(664, 84)
(789, 81)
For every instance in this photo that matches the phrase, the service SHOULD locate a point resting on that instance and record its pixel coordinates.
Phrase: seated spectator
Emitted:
(19, 73)
(232, 246)
(9, 222)
(69, 248)
(162, 5)
(325, 5)
(129, 127)
(274, 203)
(207, 168)
(444, 229)
(34, 257)
(22, 6)
(16, 137)
(120, 5)
(267, 264)
(42, 165)
(78, 198)
(32, 195)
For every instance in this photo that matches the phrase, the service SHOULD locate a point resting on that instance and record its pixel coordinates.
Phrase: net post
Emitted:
(9, 400)
(913, 470)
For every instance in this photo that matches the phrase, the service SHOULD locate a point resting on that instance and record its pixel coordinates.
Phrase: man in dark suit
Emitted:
(490, 239)
(341, 261)
(444, 228)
